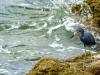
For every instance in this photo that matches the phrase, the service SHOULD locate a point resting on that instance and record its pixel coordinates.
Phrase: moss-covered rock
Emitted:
(55, 67)
(89, 7)
(95, 7)
(80, 65)
(76, 8)
(90, 62)
(93, 68)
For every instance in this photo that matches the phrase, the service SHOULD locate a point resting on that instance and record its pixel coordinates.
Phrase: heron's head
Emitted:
(80, 30)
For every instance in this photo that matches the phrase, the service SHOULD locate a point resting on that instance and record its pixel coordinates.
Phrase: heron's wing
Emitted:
(88, 38)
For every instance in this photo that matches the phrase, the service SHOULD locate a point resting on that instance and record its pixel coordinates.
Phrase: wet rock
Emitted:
(94, 68)
(76, 8)
(88, 64)
(55, 67)
(89, 7)
(95, 7)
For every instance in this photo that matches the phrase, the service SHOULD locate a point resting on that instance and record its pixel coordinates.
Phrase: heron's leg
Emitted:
(85, 50)
(92, 59)
(84, 56)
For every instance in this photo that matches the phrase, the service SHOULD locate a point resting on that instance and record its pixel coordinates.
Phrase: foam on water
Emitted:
(55, 45)
(4, 72)
(58, 46)
(54, 28)
(24, 4)
(57, 38)
(69, 23)
(42, 27)
(2, 50)
(75, 1)
(50, 18)
(14, 27)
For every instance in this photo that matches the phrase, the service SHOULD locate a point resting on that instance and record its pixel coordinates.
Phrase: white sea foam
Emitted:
(50, 18)
(24, 4)
(2, 50)
(75, 1)
(14, 27)
(16, 43)
(33, 24)
(4, 72)
(42, 27)
(54, 28)
(57, 38)
(60, 49)
(71, 25)
(55, 44)
(71, 47)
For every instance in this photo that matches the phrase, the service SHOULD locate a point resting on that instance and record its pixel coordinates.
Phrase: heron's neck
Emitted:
(82, 33)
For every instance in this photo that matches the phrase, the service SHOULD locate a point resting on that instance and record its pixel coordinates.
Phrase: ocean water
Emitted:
(31, 29)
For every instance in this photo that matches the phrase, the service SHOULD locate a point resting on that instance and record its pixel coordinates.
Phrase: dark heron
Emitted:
(86, 38)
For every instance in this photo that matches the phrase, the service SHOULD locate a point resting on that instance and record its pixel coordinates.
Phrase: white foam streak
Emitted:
(50, 18)
(58, 3)
(71, 47)
(71, 25)
(57, 38)
(55, 45)
(75, 1)
(54, 28)
(4, 72)
(23, 4)
(13, 27)
(33, 24)
(2, 50)
(45, 25)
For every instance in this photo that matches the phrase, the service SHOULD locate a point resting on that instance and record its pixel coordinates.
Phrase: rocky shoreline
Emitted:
(80, 65)
(89, 14)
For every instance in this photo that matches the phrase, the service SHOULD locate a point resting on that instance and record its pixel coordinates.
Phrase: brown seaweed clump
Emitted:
(48, 66)
(88, 7)
(90, 63)
(94, 68)
(95, 7)
(76, 8)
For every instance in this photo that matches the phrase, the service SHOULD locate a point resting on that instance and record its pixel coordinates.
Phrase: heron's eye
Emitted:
(79, 30)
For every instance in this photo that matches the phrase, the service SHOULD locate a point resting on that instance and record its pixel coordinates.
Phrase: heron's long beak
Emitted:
(73, 34)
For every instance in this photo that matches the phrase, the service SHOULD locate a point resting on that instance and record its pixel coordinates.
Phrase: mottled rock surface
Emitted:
(80, 65)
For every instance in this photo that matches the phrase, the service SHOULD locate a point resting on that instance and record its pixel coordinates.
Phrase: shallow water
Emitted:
(31, 29)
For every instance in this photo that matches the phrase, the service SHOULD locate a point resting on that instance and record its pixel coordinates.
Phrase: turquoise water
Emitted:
(31, 29)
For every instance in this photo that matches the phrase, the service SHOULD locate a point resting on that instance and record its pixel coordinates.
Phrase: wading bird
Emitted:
(86, 38)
